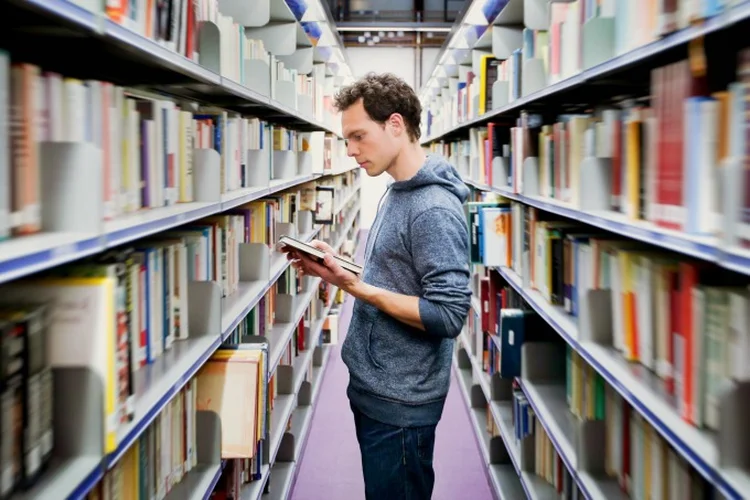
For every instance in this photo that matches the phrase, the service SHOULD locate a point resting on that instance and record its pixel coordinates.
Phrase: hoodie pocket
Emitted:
(369, 342)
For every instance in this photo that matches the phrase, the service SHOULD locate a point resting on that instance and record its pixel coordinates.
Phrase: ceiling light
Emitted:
(400, 33)
(367, 34)
(381, 34)
(376, 39)
(361, 39)
(391, 34)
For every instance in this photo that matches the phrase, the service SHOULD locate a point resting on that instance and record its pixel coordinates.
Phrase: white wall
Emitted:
(429, 58)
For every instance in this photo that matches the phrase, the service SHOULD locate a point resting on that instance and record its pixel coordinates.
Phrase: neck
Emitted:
(408, 162)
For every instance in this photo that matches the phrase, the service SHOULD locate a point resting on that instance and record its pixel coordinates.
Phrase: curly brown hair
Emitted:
(382, 95)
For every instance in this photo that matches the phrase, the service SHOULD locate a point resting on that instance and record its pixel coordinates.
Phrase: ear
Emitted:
(396, 122)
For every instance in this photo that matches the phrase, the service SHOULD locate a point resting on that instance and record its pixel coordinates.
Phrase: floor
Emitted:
(331, 466)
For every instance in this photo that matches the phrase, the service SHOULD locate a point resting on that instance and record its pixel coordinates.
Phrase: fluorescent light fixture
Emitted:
(399, 30)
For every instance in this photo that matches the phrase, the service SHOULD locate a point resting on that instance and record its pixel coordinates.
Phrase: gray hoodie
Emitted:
(418, 245)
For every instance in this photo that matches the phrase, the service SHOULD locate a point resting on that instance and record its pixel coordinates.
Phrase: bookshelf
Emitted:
(146, 174)
(631, 382)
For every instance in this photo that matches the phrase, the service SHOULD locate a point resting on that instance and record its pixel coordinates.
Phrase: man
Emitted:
(414, 294)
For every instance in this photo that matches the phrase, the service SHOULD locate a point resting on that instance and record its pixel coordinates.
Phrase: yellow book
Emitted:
(483, 83)
(81, 332)
(130, 477)
(633, 169)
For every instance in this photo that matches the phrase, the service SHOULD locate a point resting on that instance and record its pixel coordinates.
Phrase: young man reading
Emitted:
(413, 297)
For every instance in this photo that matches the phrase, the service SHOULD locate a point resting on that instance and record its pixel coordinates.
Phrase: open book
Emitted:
(318, 254)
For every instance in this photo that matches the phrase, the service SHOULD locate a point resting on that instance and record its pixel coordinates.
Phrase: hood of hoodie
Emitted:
(436, 171)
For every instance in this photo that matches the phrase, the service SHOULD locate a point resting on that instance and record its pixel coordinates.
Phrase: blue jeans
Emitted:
(396, 461)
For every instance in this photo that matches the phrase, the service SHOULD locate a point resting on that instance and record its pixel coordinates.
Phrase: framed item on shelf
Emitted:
(324, 196)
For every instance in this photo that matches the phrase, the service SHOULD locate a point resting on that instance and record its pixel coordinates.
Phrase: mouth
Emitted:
(363, 164)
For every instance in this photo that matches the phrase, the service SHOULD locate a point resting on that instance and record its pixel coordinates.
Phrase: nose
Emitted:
(351, 149)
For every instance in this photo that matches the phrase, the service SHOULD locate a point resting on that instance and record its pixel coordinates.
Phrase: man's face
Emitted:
(371, 144)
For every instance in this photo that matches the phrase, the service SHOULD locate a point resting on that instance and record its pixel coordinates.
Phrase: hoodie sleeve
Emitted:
(440, 252)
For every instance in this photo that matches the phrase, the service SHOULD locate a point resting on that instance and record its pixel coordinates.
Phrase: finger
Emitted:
(321, 245)
(315, 268)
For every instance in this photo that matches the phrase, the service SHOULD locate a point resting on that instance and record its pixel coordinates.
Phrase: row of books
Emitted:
(575, 36)
(683, 320)
(542, 459)
(181, 29)
(636, 458)
(146, 145)
(165, 453)
(666, 162)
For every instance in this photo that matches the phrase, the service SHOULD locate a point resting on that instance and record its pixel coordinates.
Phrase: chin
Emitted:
(373, 170)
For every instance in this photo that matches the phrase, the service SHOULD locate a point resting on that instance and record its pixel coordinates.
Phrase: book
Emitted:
(317, 254)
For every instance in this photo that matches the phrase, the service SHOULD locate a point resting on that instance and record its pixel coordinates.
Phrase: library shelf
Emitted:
(198, 483)
(118, 50)
(348, 199)
(111, 52)
(551, 408)
(131, 227)
(285, 404)
(281, 333)
(643, 391)
(502, 477)
(67, 478)
(301, 425)
(320, 370)
(605, 78)
(285, 447)
(706, 248)
(254, 490)
(25, 255)
(157, 383)
(281, 480)
(639, 55)
(248, 294)
(533, 486)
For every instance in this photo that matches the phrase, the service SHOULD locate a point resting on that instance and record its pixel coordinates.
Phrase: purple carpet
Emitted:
(330, 468)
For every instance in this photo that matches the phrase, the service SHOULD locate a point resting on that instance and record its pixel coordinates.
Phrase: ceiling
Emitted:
(394, 23)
